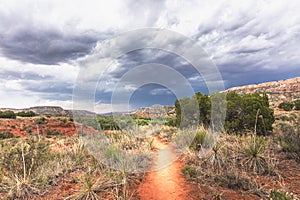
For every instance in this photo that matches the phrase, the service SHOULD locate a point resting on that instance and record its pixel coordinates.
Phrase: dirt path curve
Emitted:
(164, 182)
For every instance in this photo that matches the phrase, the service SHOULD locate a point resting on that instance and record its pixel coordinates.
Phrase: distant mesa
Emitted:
(51, 110)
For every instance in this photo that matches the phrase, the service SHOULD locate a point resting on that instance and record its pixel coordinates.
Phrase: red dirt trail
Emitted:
(164, 182)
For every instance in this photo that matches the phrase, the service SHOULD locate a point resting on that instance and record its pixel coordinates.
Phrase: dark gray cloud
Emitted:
(150, 93)
(252, 42)
(144, 56)
(138, 98)
(48, 47)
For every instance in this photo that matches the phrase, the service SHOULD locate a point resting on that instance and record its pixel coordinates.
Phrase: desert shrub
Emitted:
(198, 140)
(142, 122)
(183, 138)
(22, 173)
(26, 114)
(214, 159)
(170, 122)
(78, 152)
(107, 123)
(126, 162)
(32, 151)
(6, 134)
(7, 114)
(255, 158)
(233, 181)
(50, 133)
(41, 120)
(276, 195)
(287, 106)
(29, 130)
(290, 142)
(297, 104)
(189, 171)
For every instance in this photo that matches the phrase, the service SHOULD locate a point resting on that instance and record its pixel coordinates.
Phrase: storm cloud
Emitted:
(44, 45)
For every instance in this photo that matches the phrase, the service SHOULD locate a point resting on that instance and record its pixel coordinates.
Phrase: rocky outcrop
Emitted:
(155, 112)
(277, 91)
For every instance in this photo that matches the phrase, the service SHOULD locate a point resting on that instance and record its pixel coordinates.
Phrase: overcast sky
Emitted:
(45, 44)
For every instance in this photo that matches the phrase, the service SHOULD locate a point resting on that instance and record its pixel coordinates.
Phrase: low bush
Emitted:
(297, 104)
(42, 120)
(276, 195)
(255, 158)
(287, 106)
(26, 114)
(189, 171)
(290, 142)
(7, 114)
(6, 134)
(50, 133)
(22, 174)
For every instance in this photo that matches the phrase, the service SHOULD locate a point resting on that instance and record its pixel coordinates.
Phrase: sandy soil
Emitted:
(165, 181)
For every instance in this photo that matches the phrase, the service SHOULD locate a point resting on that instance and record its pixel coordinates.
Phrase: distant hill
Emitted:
(52, 110)
(114, 113)
(155, 111)
(277, 91)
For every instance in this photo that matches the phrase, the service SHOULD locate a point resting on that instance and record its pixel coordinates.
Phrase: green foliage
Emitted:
(198, 140)
(255, 159)
(189, 171)
(204, 103)
(276, 195)
(297, 104)
(34, 152)
(256, 147)
(290, 142)
(142, 121)
(240, 115)
(107, 123)
(90, 186)
(287, 106)
(26, 114)
(21, 163)
(64, 120)
(78, 152)
(113, 152)
(50, 133)
(187, 112)
(7, 114)
(42, 120)
(234, 123)
(170, 122)
(6, 134)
